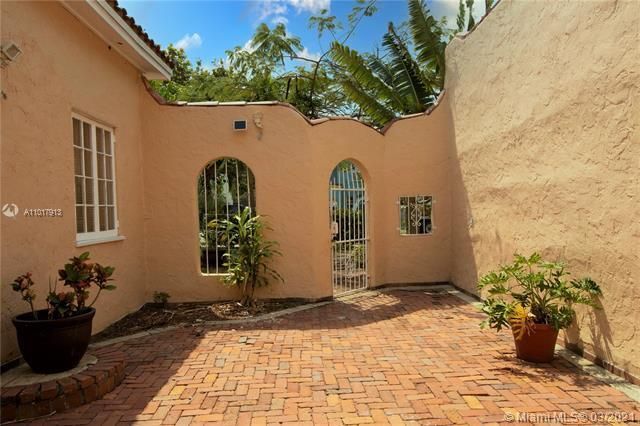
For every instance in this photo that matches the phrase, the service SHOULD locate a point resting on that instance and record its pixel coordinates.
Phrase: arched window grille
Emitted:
(225, 187)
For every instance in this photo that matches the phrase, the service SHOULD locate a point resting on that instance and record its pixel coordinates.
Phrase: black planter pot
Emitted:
(53, 346)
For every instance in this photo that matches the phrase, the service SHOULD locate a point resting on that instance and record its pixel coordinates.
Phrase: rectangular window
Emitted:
(95, 183)
(415, 215)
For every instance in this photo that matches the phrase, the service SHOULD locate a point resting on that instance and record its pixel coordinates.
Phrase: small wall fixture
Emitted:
(257, 120)
(239, 125)
(10, 52)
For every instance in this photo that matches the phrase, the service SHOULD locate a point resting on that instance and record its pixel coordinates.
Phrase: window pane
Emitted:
(109, 193)
(86, 135)
(79, 191)
(90, 216)
(88, 189)
(103, 218)
(101, 192)
(108, 166)
(111, 218)
(76, 132)
(99, 140)
(100, 166)
(88, 163)
(403, 219)
(107, 142)
(79, 219)
(77, 160)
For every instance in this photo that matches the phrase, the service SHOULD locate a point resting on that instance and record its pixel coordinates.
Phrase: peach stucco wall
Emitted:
(292, 163)
(534, 147)
(544, 101)
(160, 151)
(63, 68)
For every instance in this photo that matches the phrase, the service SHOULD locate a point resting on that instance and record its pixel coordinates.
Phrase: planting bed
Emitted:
(152, 316)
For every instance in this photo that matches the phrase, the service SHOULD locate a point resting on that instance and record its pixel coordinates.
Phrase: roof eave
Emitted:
(100, 17)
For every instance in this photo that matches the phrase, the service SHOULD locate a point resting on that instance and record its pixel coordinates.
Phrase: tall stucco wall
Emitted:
(292, 164)
(63, 68)
(544, 100)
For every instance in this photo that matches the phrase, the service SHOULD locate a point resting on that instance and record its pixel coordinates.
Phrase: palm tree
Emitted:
(275, 44)
(402, 82)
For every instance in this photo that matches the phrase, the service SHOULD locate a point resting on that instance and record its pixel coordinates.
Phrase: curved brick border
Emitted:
(41, 399)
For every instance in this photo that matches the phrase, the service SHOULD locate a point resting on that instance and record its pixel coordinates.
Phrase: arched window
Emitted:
(225, 187)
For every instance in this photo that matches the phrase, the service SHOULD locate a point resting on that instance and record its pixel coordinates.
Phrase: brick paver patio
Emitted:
(397, 357)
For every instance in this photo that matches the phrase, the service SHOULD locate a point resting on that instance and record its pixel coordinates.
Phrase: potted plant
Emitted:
(55, 339)
(247, 260)
(534, 298)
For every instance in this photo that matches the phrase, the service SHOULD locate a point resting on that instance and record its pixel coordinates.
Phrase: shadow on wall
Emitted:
(600, 334)
(464, 271)
(488, 246)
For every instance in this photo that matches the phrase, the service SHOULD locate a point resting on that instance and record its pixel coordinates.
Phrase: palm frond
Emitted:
(472, 21)
(406, 73)
(359, 70)
(461, 18)
(427, 37)
(379, 113)
(382, 70)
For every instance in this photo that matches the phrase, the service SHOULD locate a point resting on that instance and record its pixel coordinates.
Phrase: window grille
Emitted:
(415, 215)
(95, 182)
(225, 187)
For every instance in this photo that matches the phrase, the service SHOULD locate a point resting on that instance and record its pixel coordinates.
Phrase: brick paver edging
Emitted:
(42, 399)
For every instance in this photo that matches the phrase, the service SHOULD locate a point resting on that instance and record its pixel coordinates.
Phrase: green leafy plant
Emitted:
(80, 275)
(161, 297)
(249, 253)
(533, 291)
(61, 305)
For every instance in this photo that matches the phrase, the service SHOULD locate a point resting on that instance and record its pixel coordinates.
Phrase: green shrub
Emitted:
(533, 291)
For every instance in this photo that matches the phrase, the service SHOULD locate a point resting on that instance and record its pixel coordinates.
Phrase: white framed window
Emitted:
(95, 180)
(416, 215)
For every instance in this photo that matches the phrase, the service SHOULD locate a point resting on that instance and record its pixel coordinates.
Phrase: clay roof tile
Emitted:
(122, 12)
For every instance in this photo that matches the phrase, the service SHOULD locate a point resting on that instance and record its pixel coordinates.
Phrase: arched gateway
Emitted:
(348, 216)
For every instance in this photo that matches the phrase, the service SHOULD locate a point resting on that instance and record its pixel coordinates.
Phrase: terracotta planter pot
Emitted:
(53, 346)
(539, 346)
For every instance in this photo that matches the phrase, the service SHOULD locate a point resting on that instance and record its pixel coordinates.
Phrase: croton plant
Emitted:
(80, 274)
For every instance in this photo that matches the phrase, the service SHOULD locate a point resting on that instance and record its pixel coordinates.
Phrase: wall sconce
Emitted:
(257, 120)
(10, 52)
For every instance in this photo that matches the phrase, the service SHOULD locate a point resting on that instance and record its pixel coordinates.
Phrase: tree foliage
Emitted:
(404, 76)
(407, 79)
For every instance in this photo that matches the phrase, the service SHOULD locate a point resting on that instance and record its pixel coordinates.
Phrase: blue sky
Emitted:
(207, 28)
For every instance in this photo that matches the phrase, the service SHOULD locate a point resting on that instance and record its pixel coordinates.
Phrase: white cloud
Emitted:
(271, 8)
(311, 6)
(309, 55)
(278, 9)
(189, 41)
(280, 20)
(449, 8)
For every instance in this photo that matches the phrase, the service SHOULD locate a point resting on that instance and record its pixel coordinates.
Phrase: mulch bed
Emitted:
(153, 315)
